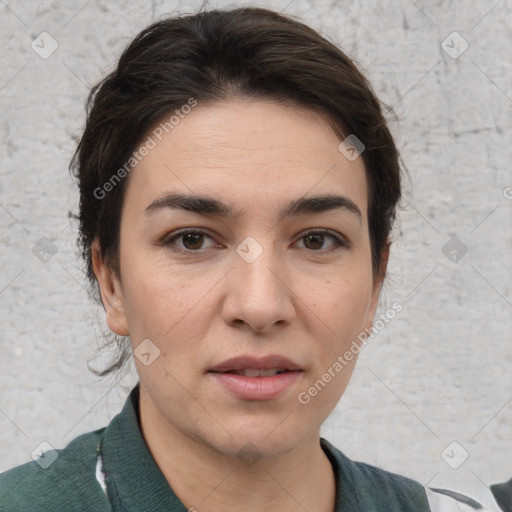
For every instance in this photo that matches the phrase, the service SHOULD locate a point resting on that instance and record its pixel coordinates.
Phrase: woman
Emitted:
(238, 184)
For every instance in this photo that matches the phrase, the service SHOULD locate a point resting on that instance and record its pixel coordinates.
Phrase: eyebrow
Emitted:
(210, 206)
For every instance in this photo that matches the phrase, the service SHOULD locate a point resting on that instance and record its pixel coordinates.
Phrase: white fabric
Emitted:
(442, 503)
(100, 476)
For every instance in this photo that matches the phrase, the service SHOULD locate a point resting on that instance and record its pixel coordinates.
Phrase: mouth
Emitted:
(251, 378)
(254, 372)
(251, 366)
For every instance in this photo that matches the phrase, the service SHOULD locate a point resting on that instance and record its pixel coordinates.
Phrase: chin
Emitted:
(250, 442)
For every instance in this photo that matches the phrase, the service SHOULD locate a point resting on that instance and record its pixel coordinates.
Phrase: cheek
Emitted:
(341, 302)
(342, 305)
(155, 304)
(163, 303)
(172, 312)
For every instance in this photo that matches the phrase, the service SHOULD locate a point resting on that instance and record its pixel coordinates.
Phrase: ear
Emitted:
(111, 292)
(378, 280)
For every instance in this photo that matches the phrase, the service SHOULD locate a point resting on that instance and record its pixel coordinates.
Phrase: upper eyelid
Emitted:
(341, 240)
(323, 231)
(166, 239)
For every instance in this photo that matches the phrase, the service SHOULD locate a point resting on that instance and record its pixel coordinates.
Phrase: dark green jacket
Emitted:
(135, 483)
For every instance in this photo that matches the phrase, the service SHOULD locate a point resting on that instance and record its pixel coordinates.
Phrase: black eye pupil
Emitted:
(318, 241)
(193, 240)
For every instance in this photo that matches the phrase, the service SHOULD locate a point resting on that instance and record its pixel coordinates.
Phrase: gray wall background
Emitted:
(439, 373)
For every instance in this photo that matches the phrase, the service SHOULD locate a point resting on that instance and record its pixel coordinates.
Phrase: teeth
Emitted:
(253, 372)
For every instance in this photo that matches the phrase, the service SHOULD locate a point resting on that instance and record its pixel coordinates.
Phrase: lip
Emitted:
(256, 363)
(256, 388)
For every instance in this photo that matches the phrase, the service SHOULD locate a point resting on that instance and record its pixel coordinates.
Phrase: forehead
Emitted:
(246, 151)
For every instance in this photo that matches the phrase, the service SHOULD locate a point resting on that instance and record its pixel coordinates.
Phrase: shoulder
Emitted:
(59, 480)
(376, 489)
(397, 489)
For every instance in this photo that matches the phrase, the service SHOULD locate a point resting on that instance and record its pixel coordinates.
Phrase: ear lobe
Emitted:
(111, 292)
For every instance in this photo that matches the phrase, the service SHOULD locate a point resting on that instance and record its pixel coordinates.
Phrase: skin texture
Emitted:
(306, 300)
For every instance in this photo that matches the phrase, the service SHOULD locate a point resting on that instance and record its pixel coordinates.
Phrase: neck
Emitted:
(207, 480)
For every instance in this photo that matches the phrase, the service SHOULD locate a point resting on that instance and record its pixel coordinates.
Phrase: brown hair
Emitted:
(212, 56)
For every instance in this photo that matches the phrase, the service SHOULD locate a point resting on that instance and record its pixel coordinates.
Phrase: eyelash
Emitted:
(339, 241)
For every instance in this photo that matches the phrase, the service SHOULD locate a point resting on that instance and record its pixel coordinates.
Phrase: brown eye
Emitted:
(314, 241)
(323, 241)
(191, 240)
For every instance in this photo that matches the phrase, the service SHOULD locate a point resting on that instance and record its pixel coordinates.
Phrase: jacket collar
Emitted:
(134, 481)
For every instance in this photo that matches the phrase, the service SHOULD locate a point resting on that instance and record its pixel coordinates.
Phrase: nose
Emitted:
(259, 292)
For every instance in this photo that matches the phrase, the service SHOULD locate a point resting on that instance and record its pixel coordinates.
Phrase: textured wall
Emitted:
(440, 372)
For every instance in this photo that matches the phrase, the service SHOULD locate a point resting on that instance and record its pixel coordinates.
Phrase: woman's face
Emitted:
(274, 274)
